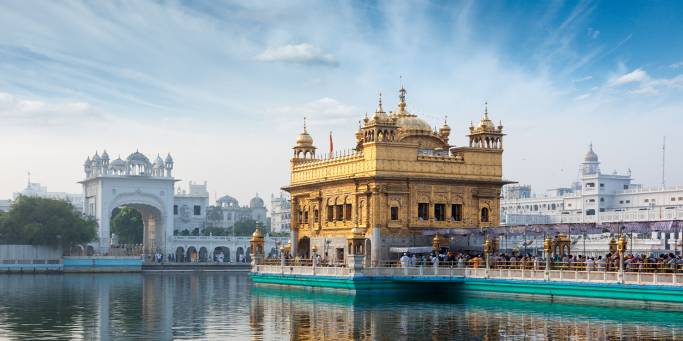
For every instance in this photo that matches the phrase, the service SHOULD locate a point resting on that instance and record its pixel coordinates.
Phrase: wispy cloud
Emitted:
(644, 84)
(583, 79)
(676, 65)
(298, 54)
(15, 110)
(322, 111)
(156, 73)
(635, 76)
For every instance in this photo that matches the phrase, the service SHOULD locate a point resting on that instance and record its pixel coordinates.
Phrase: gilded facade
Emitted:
(402, 183)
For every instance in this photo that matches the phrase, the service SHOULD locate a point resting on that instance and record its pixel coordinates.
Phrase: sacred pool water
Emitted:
(220, 306)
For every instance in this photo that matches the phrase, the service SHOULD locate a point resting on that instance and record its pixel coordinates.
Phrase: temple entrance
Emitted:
(135, 230)
(304, 248)
(136, 183)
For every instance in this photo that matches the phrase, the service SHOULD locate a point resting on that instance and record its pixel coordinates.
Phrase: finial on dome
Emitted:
(379, 104)
(445, 119)
(402, 97)
(486, 110)
(305, 124)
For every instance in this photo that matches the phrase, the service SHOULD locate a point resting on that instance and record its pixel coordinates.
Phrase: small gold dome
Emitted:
(304, 140)
(257, 234)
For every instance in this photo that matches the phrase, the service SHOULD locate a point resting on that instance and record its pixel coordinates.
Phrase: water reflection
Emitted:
(221, 306)
(490, 317)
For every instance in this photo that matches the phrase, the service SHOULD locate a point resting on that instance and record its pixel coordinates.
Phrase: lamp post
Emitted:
(314, 257)
(547, 247)
(257, 242)
(621, 247)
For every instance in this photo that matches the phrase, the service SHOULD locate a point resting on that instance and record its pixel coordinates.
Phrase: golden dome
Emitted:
(257, 234)
(445, 127)
(485, 124)
(409, 122)
(304, 140)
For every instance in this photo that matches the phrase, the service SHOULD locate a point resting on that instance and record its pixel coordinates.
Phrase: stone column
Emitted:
(295, 242)
(376, 246)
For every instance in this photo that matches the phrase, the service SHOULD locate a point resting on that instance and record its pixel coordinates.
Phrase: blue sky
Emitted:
(224, 86)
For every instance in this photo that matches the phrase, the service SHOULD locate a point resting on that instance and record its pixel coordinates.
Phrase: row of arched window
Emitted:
(490, 142)
(380, 135)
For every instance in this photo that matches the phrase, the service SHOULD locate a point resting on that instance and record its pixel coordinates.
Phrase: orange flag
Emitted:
(331, 144)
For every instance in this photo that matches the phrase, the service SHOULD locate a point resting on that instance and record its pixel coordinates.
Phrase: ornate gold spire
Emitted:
(402, 97)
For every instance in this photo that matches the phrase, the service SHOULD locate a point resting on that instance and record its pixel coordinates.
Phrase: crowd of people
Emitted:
(609, 262)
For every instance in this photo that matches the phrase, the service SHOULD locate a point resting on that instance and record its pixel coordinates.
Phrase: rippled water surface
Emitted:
(220, 306)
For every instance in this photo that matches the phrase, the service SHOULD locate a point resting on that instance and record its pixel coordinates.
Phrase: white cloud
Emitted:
(676, 65)
(15, 110)
(645, 84)
(321, 111)
(635, 76)
(583, 79)
(298, 54)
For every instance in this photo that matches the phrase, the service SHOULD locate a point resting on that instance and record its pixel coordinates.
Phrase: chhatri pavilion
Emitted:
(405, 185)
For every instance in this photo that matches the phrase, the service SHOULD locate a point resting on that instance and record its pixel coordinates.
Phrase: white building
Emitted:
(595, 198)
(280, 210)
(34, 189)
(190, 207)
(138, 183)
(600, 199)
(228, 211)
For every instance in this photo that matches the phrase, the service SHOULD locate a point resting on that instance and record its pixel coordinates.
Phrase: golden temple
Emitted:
(403, 183)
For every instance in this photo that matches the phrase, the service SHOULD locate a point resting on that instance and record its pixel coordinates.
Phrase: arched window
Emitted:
(485, 215)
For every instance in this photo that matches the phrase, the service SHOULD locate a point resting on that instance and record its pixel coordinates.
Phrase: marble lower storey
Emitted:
(455, 285)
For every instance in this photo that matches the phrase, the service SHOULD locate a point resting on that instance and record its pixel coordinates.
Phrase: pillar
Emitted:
(547, 247)
(294, 242)
(621, 248)
(376, 246)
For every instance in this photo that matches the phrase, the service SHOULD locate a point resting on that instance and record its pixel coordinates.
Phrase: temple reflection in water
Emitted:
(219, 306)
(320, 315)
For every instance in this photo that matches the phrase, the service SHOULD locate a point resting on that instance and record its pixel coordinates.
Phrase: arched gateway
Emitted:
(137, 183)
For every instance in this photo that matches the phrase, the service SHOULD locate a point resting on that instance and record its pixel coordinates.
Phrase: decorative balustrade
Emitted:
(223, 238)
(634, 273)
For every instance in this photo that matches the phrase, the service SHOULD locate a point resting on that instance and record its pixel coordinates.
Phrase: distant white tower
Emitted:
(590, 164)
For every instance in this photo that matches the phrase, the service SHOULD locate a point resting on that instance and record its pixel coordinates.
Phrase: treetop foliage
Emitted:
(43, 221)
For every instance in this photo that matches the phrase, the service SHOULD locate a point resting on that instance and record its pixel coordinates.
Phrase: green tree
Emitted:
(244, 227)
(42, 221)
(214, 231)
(126, 223)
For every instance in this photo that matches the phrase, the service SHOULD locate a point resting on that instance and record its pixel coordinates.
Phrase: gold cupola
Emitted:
(445, 130)
(486, 135)
(304, 147)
